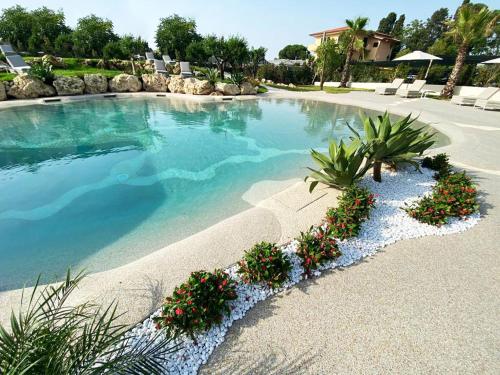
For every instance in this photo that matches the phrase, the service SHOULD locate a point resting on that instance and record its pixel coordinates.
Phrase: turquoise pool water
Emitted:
(100, 183)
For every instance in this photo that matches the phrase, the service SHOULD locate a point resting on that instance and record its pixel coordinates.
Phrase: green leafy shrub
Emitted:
(296, 74)
(237, 78)
(341, 168)
(439, 163)
(212, 76)
(358, 201)
(265, 263)
(49, 337)
(43, 71)
(198, 303)
(392, 143)
(354, 206)
(315, 248)
(453, 196)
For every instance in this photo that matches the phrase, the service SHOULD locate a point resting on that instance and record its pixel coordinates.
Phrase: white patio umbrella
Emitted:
(494, 61)
(419, 55)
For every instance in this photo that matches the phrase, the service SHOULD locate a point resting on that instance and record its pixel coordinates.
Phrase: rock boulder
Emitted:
(246, 88)
(69, 86)
(176, 85)
(155, 82)
(227, 88)
(3, 93)
(95, 83)
(195, 86)
(26, 87)
(125, 83)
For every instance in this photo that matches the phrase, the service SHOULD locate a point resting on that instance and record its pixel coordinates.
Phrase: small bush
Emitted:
(453, 196)
(265, 263)
(438, 163)
(354, 206)
(315, 248)
(237, 78)
(358, 201)
(43, 71)
(212, 76)
(198, 303)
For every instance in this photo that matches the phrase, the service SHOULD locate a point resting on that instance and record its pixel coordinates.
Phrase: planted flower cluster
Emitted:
(316, 247)
(454, 195)
(265, 263)
(354, 207)
(198, 303)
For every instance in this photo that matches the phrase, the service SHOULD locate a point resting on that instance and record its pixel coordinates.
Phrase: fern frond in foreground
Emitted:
(50, 337)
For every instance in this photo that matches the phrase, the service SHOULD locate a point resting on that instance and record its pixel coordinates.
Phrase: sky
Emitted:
(268, 23)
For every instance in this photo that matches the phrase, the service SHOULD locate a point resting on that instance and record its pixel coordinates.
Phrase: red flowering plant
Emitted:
(354, 206)
(316, 247)
(265, 263)
(455, 195)
(198, 303)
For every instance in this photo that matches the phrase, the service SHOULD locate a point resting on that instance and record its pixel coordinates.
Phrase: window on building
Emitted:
(375, 44)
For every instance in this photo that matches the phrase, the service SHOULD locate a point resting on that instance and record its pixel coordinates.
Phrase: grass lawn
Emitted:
(7, 76)
(330, 90)
(80, 71)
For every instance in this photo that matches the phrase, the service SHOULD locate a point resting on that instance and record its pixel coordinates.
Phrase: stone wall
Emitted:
(27, 87)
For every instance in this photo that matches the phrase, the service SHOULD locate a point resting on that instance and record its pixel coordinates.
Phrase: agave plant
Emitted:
(237, 78)
(341, 168)
(212, 76)
(48, 337)
(392, 143)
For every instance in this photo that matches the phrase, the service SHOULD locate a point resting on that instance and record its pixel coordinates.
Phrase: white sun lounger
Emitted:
(488, 103)
(17, 63)
(185, 69)
(150, 56)
(472, 100)
(167, 60)
(7, 49)
(160, 67)
(413, 90)
(391, 90)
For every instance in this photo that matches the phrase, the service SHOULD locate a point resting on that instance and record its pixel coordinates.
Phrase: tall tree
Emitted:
(386, 24)
(356, 32)
(256, 56)
(196, 52)
(328, 60)
(294, 52)
(174, 34)
(15, 26)
(46, 27)
(237, 52)
(91, 34)
(471, 26)
(415, 36)
(437, 25)
(397, 30)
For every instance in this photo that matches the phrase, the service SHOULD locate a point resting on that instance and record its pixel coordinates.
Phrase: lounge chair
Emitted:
(471, 100)
(167, 60)
(7, 49)
(185, 69)
(487, 103)
(150, 56)
(391, 90)
(160, 67)
(413, 90)
(17, 63)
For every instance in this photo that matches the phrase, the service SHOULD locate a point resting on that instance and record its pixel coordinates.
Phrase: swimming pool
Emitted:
(99, 183)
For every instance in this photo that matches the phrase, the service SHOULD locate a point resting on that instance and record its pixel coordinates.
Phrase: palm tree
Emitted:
(471, 25)
(355, 32)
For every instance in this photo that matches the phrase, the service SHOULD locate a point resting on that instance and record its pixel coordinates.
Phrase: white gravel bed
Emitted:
(387, 224)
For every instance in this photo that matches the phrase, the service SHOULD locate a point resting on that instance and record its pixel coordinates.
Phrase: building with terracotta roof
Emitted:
(377, 46)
